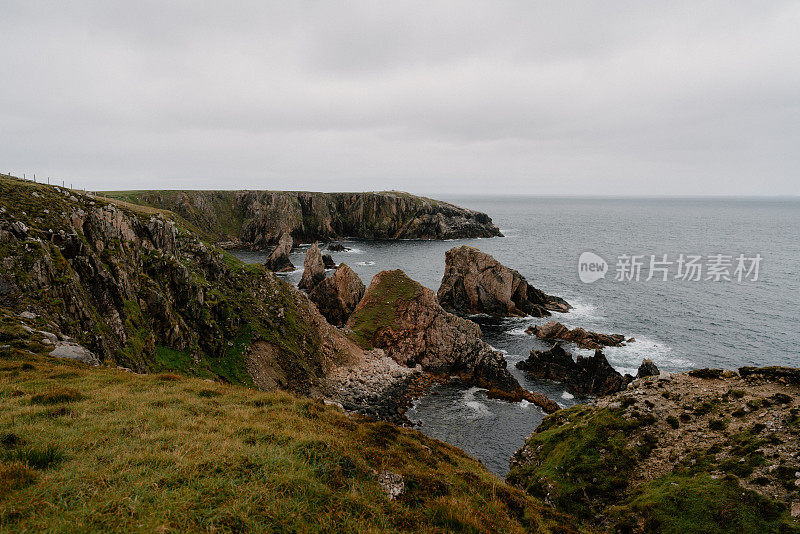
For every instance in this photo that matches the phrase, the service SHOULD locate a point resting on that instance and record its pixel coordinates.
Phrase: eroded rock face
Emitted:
(278, 261)
(337, 296)
(404, 318)
(585, 339)
(588, 376)
(266, 215)
(475, 282)
(313, 269)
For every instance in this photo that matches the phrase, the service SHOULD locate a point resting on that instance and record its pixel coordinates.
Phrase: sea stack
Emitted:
(475, 282)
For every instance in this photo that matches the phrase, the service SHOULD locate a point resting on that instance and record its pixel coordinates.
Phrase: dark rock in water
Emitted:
(475, 282)
(327, 261)
(648, 368)
(404, 318)
(591, 375)
(313, 269)
(278, 260)
(583, 338)
(337, 296)
(337, 247)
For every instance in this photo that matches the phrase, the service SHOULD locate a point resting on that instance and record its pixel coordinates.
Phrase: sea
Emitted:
(696, 282)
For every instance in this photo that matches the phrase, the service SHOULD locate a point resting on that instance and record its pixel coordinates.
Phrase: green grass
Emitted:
(679, 504)
(379, 311)
(166, 453)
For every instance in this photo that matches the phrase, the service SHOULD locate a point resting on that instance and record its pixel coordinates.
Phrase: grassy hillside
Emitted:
(86, 449)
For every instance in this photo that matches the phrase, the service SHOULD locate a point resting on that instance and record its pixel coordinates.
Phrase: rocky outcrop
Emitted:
(337, 296)
(673, 453)
(337, 247)
(257, 219)
(278, 260)
(120, 284)
(586, 376)
(475, 282)
(647, 368)
(404, 319)
(313, 269)
(585, 339)
(327, 261)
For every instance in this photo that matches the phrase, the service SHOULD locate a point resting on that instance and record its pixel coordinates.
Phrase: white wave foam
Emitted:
(351, 251)
(582, 310)
(479, 407)
(628, 358)
(567, 395)
(366, 263)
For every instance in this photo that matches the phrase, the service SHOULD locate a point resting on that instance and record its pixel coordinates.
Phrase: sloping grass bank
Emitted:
(105, 450)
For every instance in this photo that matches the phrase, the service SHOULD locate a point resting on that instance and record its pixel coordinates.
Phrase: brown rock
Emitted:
(404, 318)
(475, 282)
(583, 338)
(327, 261)
(336, 297)
(586, 376)
(648, 368)
(313, 269)
(278, 260)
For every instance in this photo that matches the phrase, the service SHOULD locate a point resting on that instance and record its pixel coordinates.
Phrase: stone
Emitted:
(337, 296)
(327, 261)
(278, 261)
(72, 351)
(647, 368)
(475, 282)
(392, 484)
(586, 376)
(585, 339)
(796, 509)
(28, 315)
(313, 269)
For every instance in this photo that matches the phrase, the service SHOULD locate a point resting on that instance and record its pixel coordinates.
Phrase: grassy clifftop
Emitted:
(86, 449)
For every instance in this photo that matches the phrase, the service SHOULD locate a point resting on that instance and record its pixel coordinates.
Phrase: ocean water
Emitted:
(679, 324)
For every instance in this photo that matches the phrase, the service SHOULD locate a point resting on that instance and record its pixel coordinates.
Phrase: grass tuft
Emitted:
(56, 395)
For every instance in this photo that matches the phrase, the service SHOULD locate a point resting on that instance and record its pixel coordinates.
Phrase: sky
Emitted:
(431, 97)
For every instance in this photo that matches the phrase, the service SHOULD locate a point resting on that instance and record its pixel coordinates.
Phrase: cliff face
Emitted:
(140, 290)
(258, 218)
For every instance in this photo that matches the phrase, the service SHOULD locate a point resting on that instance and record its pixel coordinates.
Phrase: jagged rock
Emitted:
(72, 351)
(475, 282)
(327, 261)
(278, 261)
(553, 330)
(648, 368)
(313, 269)
(337, 247)
(266, 215)
(591, 375)
(404, 318)
(337, 296)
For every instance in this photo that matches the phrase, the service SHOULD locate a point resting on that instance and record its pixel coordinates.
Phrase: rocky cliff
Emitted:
(137, 288)
(258, 218)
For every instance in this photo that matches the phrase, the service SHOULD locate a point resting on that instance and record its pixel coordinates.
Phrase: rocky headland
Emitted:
(474, 282)
(704, 451)
(257, 219)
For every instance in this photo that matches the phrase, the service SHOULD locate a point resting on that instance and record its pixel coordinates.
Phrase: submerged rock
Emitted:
(337, 296)
(278, 261)
(475, 282)
(588, 376)
(583, 338)
(313, 269)
(404, 318)
(337, 247)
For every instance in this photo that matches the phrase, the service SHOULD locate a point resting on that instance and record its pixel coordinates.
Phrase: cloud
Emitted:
(431, 97)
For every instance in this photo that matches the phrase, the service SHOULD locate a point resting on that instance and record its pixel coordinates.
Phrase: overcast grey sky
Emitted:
(620, 98)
